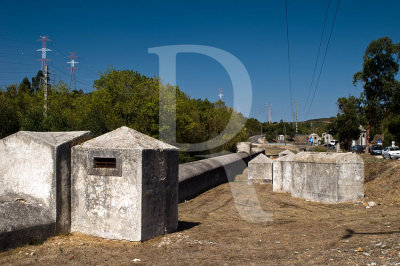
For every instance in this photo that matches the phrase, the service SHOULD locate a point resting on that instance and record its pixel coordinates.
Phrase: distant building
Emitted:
(281, 138)
(327, 137)
(362, 140)
(315, 138)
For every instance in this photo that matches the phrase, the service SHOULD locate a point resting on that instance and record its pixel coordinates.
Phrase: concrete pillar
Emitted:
(125, 186)
(244, 147)
(260, 170)
(282, 173)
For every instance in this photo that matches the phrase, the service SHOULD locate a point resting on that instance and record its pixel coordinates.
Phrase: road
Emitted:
(256, 138)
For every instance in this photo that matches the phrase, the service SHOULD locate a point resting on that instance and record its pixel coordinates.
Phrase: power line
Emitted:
(18, 41)
(316, 60)
(15, 72)
(16, 63)
(323, 60)
(58, 50)
(66, 74)
(84, 67)
(18, 54)
(288, 56)
(63, 54)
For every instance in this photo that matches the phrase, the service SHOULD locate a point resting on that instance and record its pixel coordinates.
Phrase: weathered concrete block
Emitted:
(285, 152)
(200, 176)
(328, 177)
(243, 147)
(260, 170)
(125, 186)
(24, 220)
(282, 173)
(38, 165)
(256, 150)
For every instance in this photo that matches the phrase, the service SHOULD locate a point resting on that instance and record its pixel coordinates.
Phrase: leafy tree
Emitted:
(121, 97)
(346, 124)
(270, 132)
(253, 126)
(394, 129)
(36, 81)
(25, 86)
(8, 116)
(380, 67)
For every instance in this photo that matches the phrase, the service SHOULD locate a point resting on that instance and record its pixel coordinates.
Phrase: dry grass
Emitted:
(212, 231)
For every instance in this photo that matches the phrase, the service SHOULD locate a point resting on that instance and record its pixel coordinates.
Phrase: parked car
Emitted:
(375, 149)
(331, 147)
(333, 142)
(357, 149)
(391, 153)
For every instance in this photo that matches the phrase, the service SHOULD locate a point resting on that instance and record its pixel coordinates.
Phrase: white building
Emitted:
(316, 139)
(327, 137)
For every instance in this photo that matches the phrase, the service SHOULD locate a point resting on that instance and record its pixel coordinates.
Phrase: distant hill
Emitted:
(320, 120)
(318, 125)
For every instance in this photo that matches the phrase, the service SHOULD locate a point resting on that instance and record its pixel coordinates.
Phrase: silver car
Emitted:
(391, 153)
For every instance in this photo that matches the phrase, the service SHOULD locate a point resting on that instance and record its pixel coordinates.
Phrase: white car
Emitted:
(333, 142)
(391, 153)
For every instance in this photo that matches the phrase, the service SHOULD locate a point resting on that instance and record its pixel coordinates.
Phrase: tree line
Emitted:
(377, 108)
(119, 98)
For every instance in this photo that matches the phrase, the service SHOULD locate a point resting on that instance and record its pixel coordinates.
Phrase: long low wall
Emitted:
(200, 176)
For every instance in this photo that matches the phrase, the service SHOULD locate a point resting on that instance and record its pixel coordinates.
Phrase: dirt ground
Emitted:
(211, 230)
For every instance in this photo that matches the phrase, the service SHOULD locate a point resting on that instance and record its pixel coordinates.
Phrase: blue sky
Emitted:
(119, 33)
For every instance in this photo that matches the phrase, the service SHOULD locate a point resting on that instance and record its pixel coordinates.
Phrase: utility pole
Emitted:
(270, 115)
(267, 121)
(45, 89)
(284, 131)
(296, 118)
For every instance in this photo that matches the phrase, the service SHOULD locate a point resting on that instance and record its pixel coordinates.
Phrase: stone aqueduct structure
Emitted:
(126, 185)
(323, 177)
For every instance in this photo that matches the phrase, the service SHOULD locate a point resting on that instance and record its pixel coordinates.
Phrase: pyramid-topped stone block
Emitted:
(282, 173)
(125, 186)
(285, 152)
(260, 170)
(37, 166)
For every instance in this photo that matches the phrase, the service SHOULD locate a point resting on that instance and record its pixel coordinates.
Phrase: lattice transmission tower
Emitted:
(44, 50)
(220, 94)
(72, 81)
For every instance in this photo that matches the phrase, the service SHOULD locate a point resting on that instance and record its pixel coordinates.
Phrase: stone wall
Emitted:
(282, 174)
(328, 177)
(200, 176)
